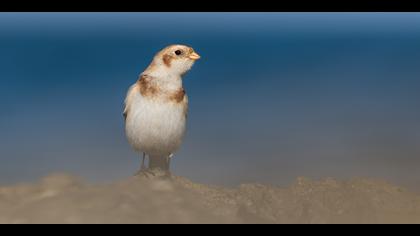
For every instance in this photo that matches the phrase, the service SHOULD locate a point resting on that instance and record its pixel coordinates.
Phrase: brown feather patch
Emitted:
(147, 88)
(178, 96)
(167, 60)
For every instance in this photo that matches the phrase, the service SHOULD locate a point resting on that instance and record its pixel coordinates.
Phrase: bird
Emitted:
(156, 107)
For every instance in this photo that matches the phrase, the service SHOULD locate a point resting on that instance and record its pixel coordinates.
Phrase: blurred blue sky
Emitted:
(275, 95)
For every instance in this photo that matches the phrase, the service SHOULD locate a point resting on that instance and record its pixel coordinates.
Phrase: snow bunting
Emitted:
(156, 106)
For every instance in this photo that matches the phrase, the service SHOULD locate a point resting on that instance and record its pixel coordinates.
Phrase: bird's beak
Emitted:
(194, 56)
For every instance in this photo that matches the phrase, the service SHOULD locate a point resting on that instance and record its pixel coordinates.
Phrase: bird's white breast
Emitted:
(154, 126)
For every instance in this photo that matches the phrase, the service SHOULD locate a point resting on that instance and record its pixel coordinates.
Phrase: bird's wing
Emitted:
(185, 105)
(125, 114)
(127, 101)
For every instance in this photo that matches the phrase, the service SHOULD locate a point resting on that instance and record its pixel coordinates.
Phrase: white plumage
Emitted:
(154, 127)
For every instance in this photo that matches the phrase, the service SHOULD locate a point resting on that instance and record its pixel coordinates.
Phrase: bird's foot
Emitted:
(153, 173)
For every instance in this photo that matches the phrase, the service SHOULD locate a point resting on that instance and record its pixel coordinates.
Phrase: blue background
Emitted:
(275, 95)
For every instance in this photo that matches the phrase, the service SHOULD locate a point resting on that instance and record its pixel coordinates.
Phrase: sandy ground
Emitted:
(67, 199)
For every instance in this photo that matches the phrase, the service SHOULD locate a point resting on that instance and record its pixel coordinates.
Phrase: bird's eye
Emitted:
(178, 52)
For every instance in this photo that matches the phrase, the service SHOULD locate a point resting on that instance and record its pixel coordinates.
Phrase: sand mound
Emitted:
(67, 199)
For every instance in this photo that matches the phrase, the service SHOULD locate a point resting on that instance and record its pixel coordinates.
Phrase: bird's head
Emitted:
(174, 60)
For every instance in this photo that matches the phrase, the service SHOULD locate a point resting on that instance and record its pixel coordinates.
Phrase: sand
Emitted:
(62, 198)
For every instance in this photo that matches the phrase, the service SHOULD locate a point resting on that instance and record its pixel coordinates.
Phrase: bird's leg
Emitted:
(158, 166)
(168, 160)
(143, 166)
(159, 163)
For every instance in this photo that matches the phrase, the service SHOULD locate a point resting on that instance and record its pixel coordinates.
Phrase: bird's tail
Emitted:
(159, 162)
